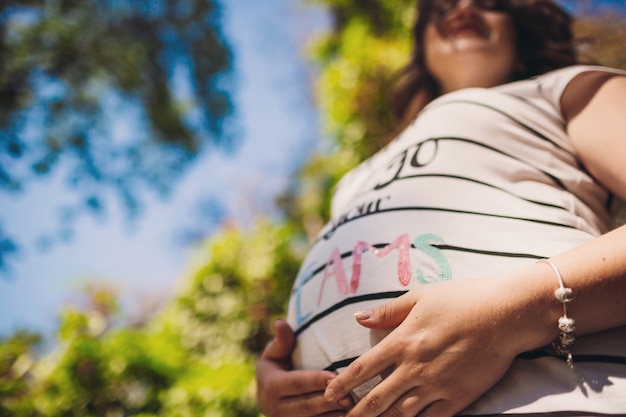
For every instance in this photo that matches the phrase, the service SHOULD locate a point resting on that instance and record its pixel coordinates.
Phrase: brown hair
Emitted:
(545, 42)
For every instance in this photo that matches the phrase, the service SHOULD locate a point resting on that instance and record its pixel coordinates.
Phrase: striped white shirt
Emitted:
(484, 181)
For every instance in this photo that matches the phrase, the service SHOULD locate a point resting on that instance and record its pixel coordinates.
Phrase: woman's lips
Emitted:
(470, 30)
(466, 28)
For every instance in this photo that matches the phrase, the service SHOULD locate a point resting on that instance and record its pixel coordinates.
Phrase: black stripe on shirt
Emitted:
(537, 354)
(345, 220)
(477, 213)
(487, 252)
(556, 180)
(346, 302)
(458, 177)
(532, 355)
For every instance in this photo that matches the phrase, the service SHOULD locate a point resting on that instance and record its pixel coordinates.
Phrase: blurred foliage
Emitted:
(605, 34)
(197, 356)
(239, 288)
(125, 93)
(369, 44)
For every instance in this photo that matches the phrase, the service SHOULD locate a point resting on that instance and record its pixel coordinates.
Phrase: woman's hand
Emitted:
(283, 392)
(454, 340)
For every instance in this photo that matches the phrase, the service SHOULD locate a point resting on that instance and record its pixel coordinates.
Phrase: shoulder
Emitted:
(594, 104)
(584, 84)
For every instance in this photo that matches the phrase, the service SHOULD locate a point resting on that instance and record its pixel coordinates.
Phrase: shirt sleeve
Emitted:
(552, 84)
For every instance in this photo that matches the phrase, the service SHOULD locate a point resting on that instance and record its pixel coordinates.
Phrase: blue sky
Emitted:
(278, 124)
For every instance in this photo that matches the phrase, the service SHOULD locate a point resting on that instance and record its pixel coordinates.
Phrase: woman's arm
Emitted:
(283, 392)
(594, 106)
(443, 356)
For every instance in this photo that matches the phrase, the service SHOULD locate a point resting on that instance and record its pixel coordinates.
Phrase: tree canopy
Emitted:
(119, 94)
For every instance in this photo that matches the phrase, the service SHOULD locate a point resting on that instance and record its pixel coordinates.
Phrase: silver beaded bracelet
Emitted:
(567, 325)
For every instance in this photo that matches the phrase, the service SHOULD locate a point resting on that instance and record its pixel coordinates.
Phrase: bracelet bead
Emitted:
(564, 295)
(567, 325)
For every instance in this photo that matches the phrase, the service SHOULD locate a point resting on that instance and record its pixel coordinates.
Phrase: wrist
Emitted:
(532, 309)
(567, 325)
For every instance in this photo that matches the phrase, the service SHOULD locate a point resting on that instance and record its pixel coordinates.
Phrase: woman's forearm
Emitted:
(596, 273)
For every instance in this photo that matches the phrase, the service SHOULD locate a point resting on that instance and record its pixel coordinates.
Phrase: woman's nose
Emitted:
(464, 5)
(449, 8)
(464, 8)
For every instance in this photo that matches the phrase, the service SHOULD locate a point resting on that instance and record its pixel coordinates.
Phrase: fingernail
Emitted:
(363, 314)
(329, 394)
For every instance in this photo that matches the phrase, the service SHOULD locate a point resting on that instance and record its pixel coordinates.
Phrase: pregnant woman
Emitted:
(472, 266)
